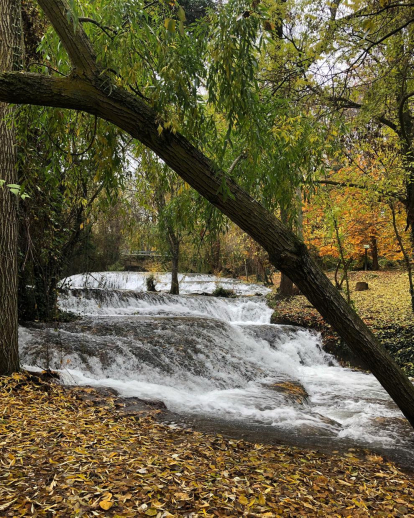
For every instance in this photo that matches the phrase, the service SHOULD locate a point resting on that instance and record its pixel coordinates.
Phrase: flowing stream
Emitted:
(209, 356)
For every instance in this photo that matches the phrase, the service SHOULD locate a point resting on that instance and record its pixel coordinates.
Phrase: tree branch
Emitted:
(349, 104)
(401, 117)
(242, 156)
(104, 28)
(381, 40)
(72, 36)
(391, 194)
(362, 13)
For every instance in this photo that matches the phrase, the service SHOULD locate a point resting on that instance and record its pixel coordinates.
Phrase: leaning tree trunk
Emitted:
(89, 89)
(10, 59)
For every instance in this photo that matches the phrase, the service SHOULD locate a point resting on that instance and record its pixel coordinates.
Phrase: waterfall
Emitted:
(100, 302)
(205, 355)
(189, 282)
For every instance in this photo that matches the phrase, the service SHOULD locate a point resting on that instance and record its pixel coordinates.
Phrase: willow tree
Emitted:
(96, 86)
(10, 59)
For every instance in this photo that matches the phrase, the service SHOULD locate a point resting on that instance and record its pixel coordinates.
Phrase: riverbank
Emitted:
(385, 307)
(67, 455)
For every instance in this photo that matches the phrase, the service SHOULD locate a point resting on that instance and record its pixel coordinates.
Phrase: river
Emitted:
(214, 359)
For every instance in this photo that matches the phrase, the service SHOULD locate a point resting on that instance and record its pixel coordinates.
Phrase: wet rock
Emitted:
(293, 390)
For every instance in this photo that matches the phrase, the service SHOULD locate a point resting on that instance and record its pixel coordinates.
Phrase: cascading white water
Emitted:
(89, 302)
(189, 282)
(210, 356)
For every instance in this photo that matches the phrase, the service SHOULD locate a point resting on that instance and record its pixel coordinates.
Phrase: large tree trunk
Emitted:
(407, 258)
(90, 90)
(10, 59)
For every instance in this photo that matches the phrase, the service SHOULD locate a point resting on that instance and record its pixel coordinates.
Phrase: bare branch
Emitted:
(345, 103)
(242, 156)
(381, 40)
(363, 13)
(103, 28)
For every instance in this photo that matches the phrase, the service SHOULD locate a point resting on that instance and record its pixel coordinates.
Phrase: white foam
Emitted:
(111, 302)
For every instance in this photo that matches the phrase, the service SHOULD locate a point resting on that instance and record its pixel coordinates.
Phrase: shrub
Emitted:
(116, 267)
(222, 292)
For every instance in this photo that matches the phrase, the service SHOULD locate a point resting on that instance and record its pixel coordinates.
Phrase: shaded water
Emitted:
(209, 356)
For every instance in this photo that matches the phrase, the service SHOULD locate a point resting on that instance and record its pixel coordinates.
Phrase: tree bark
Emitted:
(10, 59)
(406, 256)
(175, 255)
(95, 93)
(286, 286)
(374, 253)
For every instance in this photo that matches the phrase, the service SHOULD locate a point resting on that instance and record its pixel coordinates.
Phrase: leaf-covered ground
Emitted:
(385, 307)
(66, 457)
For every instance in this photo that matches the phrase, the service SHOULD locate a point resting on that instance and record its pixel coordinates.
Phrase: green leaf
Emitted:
(170, 25)
(181, 14)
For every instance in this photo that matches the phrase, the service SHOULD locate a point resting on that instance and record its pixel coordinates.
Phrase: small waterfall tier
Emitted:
(190, 283)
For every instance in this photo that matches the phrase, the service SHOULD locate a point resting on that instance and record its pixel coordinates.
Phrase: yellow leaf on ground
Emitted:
(105, 504)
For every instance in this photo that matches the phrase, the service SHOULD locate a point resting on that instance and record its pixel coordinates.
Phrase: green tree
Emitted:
(354, 60)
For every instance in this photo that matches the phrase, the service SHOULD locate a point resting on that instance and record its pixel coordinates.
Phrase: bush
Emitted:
(116, 267)
(222, 292)
(151, 283)
(388, 264)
